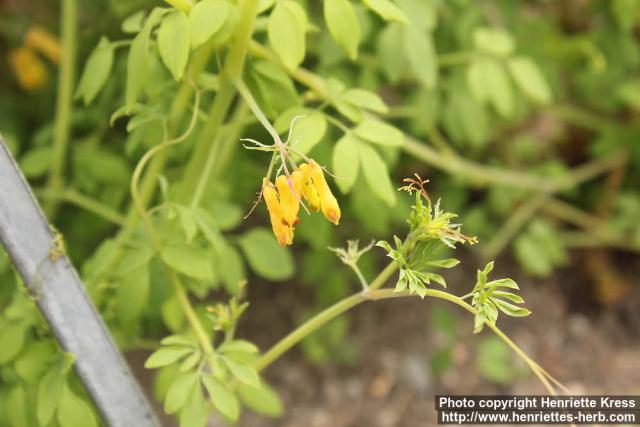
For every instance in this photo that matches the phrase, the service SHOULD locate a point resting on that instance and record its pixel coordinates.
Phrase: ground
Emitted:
(592, 349)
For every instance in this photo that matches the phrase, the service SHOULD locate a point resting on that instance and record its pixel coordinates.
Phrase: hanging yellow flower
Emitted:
(309, 192)
(284, 198)
(328, 202)
(282, 231)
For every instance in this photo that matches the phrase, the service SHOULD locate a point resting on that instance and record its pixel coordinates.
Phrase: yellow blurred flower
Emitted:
(41, 40)
(28, 68)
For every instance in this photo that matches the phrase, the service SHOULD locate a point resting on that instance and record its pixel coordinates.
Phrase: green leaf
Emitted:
(245, 373)
(173, 42)
(376, 174)
(205, 19)
(17, 411)
(166, 356)
(387, 10)
(74, 411)
(188, 222)
(379, 132)
(194, 413)
(343, 24)
(346, 161)
(287, 27)
(530, 79)
(262, 399)
(191, 361)
(265, 256)
(510, 309)
(12, 337)
(223, 399)
(495, 41)
(232, 270)
(238, 345)
(96, 71)
(188, 260)
(504, 283)
(423, 14)
(392, 60)
(494, 361)
(626, 13)
(364, 99)
(33, 363)
(133, 23)
(177, 340)
(137, 68)
(36, 162)
(489, 82)
(133, 293)
(421, 54)
(508, 295)
(49, 391)
(179, 392)
(444, 263)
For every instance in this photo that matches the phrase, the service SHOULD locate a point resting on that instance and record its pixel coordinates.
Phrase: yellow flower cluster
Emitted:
(29, 69)
(283, 199)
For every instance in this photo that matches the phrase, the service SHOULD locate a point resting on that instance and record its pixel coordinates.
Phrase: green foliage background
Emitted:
(521, 113)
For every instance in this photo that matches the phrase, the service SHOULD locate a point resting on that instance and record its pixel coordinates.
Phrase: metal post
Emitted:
(27, 238)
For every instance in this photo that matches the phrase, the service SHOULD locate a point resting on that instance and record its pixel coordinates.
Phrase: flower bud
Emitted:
(328, 202)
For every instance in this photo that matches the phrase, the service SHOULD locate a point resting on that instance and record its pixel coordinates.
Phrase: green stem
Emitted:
(62, 123)
(255, 109)
(181, 293)
(511, 227)
(307, 328)
(456, 165)
(84, 202)
(454, 58)
(346, 304)
(234, 64)
(219, 153)
(542, 374)
(321, 318)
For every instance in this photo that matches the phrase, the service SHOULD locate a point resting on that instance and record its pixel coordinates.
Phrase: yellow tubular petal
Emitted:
(288, 201)
(308, 190)
(328, 202)
(283, 233)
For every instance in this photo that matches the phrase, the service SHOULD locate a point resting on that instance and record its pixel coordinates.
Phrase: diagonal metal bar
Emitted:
(27, 238)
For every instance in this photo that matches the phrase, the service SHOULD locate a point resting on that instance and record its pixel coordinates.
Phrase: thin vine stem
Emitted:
(62, 122)
(181, 293)
(373, 294)
(84, 202)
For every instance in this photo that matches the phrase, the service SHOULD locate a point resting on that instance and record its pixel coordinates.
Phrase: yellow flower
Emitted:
(43, 41)
(283, 232)
(28, 68)
(328, 202)
(289, 201)
(309, 192)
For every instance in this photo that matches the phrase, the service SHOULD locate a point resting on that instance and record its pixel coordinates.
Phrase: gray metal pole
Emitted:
(27, 238)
